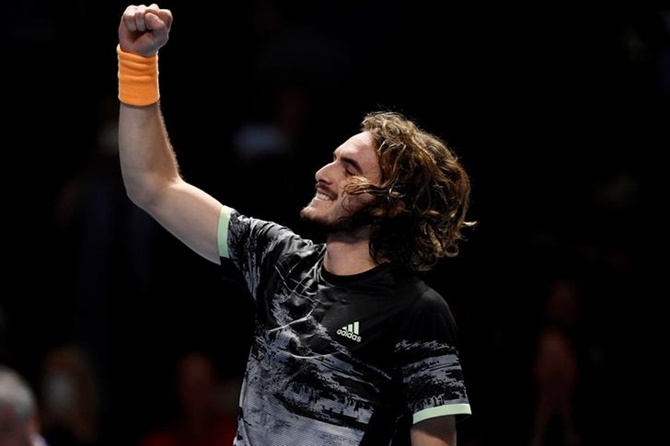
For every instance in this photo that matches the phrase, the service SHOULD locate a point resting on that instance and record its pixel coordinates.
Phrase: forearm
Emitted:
(148, 164)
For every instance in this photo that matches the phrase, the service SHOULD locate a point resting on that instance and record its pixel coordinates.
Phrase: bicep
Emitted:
(191, 215)
(437, 431)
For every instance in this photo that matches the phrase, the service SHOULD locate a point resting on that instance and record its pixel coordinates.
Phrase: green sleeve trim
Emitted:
(450, 409)
(222, 231)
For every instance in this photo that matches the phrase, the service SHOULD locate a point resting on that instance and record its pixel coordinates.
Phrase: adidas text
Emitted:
(350, 331)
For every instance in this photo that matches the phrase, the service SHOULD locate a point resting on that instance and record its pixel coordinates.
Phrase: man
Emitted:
(19, 424)
(351, 347)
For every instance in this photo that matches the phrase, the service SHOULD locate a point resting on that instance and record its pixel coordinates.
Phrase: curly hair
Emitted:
(423, 196)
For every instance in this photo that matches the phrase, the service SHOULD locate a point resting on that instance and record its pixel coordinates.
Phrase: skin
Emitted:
(15, 431)
(152, 180)
(347, 251)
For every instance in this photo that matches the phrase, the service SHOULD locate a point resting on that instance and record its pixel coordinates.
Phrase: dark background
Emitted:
(560, 115)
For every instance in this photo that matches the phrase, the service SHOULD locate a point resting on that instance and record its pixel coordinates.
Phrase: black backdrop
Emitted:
(560, 114)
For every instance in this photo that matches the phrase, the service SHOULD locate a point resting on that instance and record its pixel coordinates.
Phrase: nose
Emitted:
(321, 175)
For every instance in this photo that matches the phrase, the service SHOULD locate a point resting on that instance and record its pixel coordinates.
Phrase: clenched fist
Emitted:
(144, 29)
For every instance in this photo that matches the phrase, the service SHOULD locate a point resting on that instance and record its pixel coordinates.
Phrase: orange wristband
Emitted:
(138, 78)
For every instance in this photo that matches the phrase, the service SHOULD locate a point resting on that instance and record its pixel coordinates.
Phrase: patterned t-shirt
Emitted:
(337, 360)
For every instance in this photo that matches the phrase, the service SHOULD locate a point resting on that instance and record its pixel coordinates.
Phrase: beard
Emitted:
(348, 223)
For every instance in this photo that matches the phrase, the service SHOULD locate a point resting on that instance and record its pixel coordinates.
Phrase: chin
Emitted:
(309, 213)
(312, 215)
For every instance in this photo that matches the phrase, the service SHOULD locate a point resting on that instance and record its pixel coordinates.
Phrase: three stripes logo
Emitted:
(350, 331)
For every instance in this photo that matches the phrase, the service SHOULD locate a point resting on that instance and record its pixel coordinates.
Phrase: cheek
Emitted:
(356, 202)
(349, 184)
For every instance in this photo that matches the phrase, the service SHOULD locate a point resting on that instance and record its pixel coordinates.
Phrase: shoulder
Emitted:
(433, 306)
(250, 233)
(429, 311)
(259, 243)
(427, 298)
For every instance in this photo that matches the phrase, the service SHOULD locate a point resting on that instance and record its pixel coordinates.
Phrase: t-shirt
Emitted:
(337, 360)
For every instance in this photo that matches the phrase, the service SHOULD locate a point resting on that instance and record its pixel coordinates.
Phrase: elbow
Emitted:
(141, 195)
(152, 194)
(138, 199)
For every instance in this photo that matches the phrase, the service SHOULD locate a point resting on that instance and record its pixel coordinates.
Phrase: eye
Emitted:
(350, 168)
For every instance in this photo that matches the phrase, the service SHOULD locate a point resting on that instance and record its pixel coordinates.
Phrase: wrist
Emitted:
(138, 78)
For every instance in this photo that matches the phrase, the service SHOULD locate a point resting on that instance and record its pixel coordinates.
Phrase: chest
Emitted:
(362, 320)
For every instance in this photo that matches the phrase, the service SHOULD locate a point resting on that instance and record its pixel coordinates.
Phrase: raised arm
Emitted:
(148, 163)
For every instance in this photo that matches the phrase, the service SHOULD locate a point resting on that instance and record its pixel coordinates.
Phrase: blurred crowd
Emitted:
(121, 336)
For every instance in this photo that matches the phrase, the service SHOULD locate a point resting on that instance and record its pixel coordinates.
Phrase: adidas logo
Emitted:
(350, 331)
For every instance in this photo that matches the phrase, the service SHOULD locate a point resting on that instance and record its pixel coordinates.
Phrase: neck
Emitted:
(348, 254)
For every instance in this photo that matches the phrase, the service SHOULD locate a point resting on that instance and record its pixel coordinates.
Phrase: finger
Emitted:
(139, 18)
(129, 18)
(157, 20)
(166, 16)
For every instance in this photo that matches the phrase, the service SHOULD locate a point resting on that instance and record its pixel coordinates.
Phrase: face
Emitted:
(13, 430)
(355, 157)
